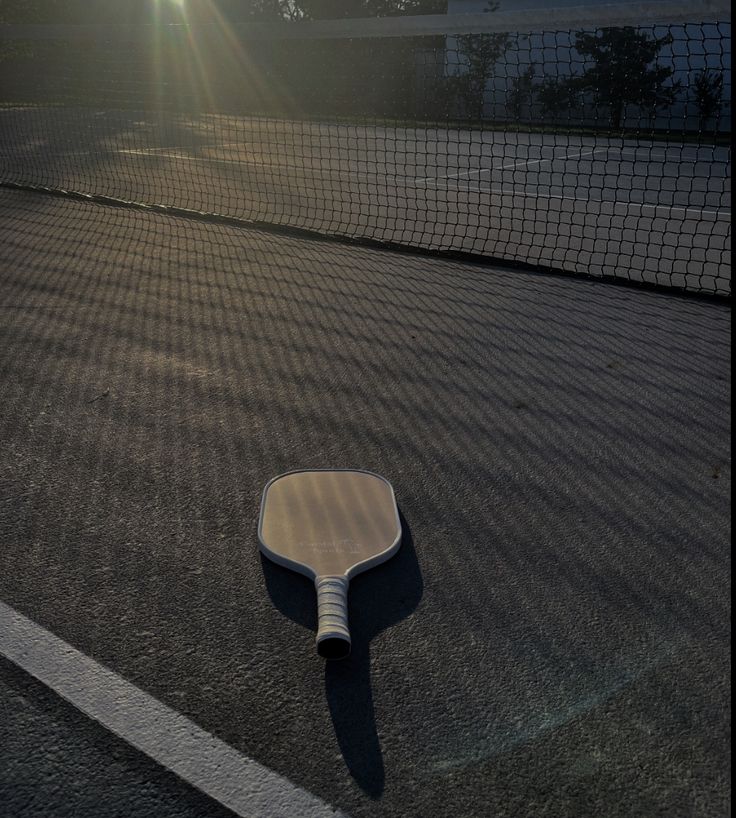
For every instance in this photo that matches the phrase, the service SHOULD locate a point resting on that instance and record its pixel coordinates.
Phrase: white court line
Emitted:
(239, 783)
(525, 162)
(411, 182)
(158, 152)
(166, 153)
(145, 151)
(264, 166)
(207, 161)
(669, 208)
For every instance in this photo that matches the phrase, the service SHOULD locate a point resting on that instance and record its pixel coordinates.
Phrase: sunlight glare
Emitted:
(206, 66)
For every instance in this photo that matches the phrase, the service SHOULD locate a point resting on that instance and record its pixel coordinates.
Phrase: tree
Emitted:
(27, 11)
(522, 91)
(239, 10)
(555, 96)
(708, 93)
(326, 9)
(477, 55)
(622, 71)
(75, 11)
(80, 11)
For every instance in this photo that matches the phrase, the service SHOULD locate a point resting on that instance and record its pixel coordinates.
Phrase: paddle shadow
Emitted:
(378, 599)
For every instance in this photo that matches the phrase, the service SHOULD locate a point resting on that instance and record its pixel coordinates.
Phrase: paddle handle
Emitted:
(333, 634)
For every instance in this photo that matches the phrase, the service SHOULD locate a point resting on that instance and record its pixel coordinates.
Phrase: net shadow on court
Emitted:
(559, 449)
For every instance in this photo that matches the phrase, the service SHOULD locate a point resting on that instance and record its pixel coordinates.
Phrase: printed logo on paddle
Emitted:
(346, 546)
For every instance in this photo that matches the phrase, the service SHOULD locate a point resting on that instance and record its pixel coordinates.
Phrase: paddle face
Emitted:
(329, 523)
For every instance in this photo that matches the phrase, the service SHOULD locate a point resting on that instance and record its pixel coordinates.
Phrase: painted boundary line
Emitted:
(430, 182)
(239, 783)
(513, 165)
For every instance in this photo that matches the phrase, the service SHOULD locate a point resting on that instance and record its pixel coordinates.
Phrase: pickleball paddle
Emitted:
(329, 525)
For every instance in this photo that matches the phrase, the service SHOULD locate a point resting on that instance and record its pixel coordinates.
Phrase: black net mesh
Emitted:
(601, 148)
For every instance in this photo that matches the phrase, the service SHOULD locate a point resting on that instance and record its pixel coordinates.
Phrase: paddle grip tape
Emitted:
(332, 609)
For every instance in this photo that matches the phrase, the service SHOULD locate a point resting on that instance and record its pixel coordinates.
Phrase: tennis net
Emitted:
(588, 140)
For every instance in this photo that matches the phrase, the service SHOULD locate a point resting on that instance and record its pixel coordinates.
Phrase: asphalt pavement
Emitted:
(551, 640)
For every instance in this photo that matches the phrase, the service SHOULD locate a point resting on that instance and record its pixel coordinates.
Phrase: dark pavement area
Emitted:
(553, 637)
(56, 761)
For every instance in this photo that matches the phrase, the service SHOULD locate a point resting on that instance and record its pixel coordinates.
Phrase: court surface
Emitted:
(653, 211)
(553, 636)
